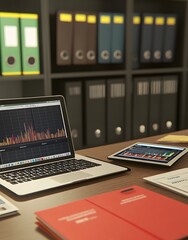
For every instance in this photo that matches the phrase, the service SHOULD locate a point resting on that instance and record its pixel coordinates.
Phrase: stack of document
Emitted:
(176, 180)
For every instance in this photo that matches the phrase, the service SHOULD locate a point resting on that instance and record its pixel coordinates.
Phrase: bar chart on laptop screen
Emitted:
(31, 133)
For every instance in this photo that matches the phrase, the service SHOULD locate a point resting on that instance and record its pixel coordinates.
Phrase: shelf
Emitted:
(88, 74)
(157, 71)
(21, 78)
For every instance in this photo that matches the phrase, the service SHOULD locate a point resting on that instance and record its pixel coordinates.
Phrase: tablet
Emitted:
(150, 153)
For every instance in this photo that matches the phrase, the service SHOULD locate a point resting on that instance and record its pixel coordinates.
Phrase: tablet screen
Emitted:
(151, 153)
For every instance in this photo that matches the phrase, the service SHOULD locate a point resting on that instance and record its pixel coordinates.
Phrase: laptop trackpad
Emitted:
(71, 177)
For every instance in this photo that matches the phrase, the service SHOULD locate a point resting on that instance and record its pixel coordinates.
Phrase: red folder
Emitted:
(131, 213)
(152, 212)
(86, 221)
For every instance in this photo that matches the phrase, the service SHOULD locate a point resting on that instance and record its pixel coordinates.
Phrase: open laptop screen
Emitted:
(33, 130)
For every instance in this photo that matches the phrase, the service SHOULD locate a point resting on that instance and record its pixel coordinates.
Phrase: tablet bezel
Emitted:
(169, 163)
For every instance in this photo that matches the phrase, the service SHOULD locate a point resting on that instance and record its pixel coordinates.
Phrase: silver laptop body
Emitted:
(35, 132)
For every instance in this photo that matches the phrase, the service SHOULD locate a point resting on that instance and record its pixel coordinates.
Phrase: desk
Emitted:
(22, 226)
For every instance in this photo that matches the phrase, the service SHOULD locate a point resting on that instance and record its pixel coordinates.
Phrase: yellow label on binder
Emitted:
(91, 19)
(118, 19)
(171, 21)
(148, 20)
(80, 18)
(159, 21)
(66, 17)
(105, 19)
(29, 16)
(136, 20)
(9, 15)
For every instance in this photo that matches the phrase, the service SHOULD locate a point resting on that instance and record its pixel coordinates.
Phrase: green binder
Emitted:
(29, 44)
(10, 44)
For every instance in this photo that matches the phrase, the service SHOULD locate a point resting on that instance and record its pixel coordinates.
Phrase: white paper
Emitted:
(11, 36)
(30, 34)
(176, 180)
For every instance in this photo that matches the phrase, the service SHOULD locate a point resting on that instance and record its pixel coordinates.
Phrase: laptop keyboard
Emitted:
(42, 171)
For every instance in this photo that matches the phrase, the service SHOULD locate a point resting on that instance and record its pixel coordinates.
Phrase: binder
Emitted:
(64, 36)
(29, 44)
(79, 38)
(146, 38)
(158, 38)
(169, 103)
(170, 38)
(117, 36)
(10, 44)
(140, 107)
(136, 40)
(91, 39)
(115, 110)
(155, 105)
(72, 91)
(73, 97)
(104, 38)
(95, 116)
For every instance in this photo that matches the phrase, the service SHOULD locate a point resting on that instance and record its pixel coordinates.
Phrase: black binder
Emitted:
(169, 103)
(140, 107)
(73, 97)
(95, 116)
(146, 38)
(64, 32)
(158, 38)
(155, 105)
(136, 40)
(170, 38)
(73, 92)
(115, 110)
(80, 38)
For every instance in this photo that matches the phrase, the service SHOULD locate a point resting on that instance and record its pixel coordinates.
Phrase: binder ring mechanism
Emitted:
(157, 55)
(142, 129)
(91, 55)
(117, 54)
(147, 55)
(79, 54)
(155, 126)
(168, 54)
(11, 61)
(74, 133)
(169, 124)
(31, 61)
(98, 133)
(118, 131)
(105, 55)
(64, 55)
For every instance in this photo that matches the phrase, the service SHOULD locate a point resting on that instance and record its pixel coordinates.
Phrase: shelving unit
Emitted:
(51, 73)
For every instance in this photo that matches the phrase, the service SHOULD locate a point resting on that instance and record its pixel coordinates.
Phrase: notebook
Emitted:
(36, 147)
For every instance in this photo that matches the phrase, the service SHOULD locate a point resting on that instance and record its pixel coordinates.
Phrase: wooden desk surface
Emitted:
(23, 226)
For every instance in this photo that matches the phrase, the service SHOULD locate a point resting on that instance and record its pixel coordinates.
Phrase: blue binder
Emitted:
(146, 38)
(118, 42)
(104, 37)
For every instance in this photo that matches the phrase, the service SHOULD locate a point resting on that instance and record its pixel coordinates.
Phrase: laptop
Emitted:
(36, 147)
